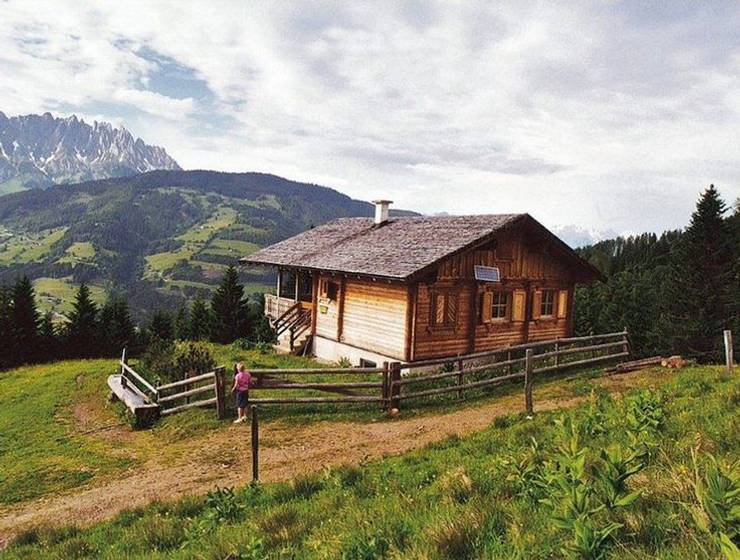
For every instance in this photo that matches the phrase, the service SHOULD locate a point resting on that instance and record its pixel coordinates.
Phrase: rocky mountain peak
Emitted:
(41, 150)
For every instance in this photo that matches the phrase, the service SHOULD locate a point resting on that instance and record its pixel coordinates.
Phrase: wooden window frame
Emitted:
(487, 299)
(326, 292)
(552, 296)
(498, 306)
(450, 317)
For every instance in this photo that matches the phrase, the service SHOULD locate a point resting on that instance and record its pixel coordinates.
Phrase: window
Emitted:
(500, 305)
(444, 309)
(494, 306)
(547, 305)
(329, 289)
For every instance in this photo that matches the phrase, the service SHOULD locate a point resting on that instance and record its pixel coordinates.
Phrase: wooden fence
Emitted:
(394, 383)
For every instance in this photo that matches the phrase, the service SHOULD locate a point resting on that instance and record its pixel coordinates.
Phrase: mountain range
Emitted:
(159, 237)
(41, 150)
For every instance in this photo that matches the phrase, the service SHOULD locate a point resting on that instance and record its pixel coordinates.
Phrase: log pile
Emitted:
(634, 365)
(674, 362)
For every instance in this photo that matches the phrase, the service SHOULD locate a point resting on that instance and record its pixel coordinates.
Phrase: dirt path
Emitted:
(285, 452)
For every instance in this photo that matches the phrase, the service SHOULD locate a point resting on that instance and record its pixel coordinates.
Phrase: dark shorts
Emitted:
(242, 399)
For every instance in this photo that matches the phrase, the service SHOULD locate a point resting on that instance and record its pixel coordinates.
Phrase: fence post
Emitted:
(124, 381)
(528, 374)
(591, 343)
(255, 445)
(557, 354)
(625, 339)
(728, 350)
(220, 380)
(385, 392)
(395, 389)
(460, 379)
(508, 359)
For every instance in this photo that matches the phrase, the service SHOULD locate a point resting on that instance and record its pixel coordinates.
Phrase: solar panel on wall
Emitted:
(487, 274)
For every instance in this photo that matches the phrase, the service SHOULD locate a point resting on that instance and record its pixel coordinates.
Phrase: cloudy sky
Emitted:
(606, 116)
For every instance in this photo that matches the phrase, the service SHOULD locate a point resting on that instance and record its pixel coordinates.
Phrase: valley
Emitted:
(159, 238)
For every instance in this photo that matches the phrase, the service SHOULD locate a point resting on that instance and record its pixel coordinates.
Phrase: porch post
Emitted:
(279, 281)
(297, 278)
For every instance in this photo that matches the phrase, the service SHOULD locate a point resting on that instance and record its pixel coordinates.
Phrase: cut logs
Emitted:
(634, 365)
(673, 362)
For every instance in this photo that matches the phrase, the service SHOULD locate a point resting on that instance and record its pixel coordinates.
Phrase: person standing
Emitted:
(242, 381)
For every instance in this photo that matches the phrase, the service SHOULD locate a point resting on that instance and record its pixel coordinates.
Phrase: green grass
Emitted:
(78, 252)
(45, 448)
(39, 451)
(194, 240)
(460, 498)
(30, 248)
(58, 294)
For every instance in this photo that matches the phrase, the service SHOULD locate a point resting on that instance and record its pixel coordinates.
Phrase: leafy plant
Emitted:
(617, 465)
(344, 362)
(223, 506)
(717, 492)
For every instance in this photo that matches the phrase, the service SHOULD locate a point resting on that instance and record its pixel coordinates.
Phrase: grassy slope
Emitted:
(26, 249)
(455, 499)
(58, 294)
(47, 410)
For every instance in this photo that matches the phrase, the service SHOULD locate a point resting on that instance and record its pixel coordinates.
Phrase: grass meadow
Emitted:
(641, 475)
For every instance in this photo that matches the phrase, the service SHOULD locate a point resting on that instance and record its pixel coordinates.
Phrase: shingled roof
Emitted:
(396, 249)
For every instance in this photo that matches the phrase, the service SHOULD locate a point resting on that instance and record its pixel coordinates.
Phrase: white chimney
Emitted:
(381, 211)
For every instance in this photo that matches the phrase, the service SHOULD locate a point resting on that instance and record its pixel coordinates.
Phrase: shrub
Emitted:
(158, 361)
(344, 362)
(192, 358)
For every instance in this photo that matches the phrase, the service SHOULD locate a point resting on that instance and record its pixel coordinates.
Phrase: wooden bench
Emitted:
(134, 399)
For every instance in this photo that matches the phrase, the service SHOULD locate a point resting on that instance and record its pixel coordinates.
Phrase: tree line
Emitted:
(91, 331)
(675, 292)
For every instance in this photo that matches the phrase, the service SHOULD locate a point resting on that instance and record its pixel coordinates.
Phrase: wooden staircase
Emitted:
(293, 329)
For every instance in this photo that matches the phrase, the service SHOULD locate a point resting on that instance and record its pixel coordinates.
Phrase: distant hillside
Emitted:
(40, 150)
(159, 237)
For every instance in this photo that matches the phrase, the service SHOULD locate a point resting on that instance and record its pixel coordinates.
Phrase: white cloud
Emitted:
(606, 116)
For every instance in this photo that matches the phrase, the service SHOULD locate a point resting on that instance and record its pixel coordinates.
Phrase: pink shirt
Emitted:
(243, 380)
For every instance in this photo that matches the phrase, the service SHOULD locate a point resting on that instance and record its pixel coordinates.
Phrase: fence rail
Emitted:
(394, 382)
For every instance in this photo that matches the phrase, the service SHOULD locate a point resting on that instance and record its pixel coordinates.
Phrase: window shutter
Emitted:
(536, 304)
(517, 312)
(562, 303)
(487, 304)
(451, 315)
(439, 309)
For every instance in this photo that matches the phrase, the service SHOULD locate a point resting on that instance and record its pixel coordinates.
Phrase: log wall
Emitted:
(526, 269)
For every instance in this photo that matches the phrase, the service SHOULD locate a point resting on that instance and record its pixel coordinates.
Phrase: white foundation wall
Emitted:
(333, 351)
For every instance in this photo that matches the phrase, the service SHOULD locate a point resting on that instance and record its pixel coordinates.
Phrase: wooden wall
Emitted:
(373, 316)
(525, 267)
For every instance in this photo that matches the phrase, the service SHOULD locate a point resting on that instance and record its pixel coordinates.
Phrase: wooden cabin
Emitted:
(413, 288)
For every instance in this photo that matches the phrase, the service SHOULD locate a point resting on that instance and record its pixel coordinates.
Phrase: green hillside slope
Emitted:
(159, 237)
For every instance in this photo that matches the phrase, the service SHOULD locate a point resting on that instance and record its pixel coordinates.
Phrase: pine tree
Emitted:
(182, 324)
(229, 310)
(6, 332)
(48, 341)
(200, 320)
(83, 333)
(117, 325)
(161, 325)
(24, 322)
(696, 302)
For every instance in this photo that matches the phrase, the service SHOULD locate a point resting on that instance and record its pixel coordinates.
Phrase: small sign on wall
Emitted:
(323, 309)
